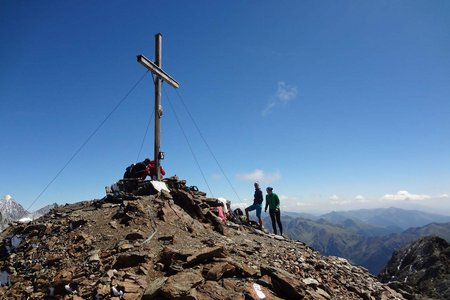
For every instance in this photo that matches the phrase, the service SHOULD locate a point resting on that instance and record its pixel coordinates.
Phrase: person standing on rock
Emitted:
(257, 205)
(273, 202)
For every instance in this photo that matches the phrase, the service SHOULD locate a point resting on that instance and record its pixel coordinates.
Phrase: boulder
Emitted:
(179, 285)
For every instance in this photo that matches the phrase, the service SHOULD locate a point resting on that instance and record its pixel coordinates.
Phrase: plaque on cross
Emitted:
(160, 75)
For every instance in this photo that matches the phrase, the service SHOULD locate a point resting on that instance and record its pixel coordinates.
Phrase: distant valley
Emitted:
(365, 237)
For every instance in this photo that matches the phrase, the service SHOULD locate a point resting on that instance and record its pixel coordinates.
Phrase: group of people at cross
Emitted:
(143, 169)
(272, 202)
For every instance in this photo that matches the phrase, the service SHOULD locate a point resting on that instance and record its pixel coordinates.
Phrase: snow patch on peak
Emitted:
(25, 219)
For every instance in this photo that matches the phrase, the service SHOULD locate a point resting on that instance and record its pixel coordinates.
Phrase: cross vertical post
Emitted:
(158, 106)
(160, 76)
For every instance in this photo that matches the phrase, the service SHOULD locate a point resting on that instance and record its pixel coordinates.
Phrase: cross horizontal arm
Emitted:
(157, 70)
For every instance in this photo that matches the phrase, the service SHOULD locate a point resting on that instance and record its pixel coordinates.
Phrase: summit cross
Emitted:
(155, 68)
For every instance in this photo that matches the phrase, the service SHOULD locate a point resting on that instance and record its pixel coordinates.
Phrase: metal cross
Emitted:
(156, 69)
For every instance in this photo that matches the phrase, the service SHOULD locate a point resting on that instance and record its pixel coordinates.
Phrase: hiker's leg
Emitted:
(278, 217)
(250, 208)
(258, 214)
(272, 217)
(246, 214)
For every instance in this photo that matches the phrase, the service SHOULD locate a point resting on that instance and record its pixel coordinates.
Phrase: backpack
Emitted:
(128, 172)
(238, 216)
(238, 212)
(139, 170)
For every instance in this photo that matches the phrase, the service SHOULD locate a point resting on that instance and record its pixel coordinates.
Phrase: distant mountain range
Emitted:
(365, 237)
(10, 211)
(387, 217)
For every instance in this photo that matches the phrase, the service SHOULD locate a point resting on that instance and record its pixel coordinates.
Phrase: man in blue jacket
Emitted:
(257, 205)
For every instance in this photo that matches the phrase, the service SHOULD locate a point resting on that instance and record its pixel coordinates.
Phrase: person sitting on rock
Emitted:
(257, 205)
(138, 170)
(141, 169)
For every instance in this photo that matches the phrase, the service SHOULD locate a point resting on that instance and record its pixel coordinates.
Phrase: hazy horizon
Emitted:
(243, 205)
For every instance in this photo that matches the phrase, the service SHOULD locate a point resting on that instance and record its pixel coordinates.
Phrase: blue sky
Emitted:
(336, 104)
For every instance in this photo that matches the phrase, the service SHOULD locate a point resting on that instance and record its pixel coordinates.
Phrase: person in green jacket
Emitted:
(273, 202)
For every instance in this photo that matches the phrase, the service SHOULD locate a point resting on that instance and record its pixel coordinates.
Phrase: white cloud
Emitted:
(292, 203)
(284, 197)
(303, 204)
(444, 196)
(361, 199)
(260, 175)
(405, 196)
(341, 202)
(252, 176)
(284, 94)
(335, 199)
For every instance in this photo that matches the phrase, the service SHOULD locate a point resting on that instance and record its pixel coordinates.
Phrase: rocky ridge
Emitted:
(167, 245)
(422, 269)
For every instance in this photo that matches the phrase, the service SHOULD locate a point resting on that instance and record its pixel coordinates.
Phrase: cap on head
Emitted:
(256, 183)
(269, 188)
(147, 161)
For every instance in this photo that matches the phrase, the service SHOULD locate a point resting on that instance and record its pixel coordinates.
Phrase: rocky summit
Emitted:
(155, 243)
(420, 270)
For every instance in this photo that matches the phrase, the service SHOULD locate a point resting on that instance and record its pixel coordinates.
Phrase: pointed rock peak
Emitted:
(11, 210)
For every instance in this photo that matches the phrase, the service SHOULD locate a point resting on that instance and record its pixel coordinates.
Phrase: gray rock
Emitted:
(153, 288)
